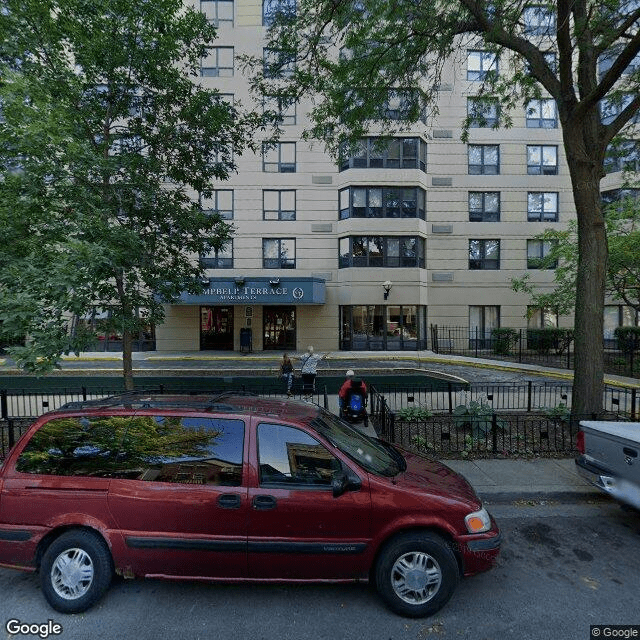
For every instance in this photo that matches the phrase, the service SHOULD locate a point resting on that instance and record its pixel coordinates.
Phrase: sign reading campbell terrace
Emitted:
(259, 291)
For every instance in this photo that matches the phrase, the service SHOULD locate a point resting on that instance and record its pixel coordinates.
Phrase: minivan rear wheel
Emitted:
(416, 574)
(76, 570)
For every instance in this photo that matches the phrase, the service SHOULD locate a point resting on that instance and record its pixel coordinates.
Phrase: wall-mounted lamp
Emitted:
(239, 280)
(274, 282)
(387, 287)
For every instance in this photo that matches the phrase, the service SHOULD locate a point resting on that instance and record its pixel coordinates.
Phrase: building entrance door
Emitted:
(279, 324)
(216, 328)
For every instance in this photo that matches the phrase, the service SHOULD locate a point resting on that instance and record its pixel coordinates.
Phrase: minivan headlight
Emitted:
(478, 521)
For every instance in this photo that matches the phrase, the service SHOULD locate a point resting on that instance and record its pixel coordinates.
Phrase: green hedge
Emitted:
(628, 338)
(544, 340)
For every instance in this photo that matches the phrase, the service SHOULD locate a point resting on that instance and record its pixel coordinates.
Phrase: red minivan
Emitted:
(233, 488)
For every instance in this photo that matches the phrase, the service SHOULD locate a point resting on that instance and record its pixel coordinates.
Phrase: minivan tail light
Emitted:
(580, 442)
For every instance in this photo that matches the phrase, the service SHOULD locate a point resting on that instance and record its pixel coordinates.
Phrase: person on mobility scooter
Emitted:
(352, 399)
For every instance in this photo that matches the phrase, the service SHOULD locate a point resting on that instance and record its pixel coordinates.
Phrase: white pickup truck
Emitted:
(609, 458)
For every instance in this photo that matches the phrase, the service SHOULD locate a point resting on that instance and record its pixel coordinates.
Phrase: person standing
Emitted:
(286, 371)
(309, 370)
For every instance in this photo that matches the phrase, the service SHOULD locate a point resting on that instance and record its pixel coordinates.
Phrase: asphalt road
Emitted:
(563, 568)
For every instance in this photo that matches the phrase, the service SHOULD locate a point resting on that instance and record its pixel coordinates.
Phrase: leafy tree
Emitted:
(367, 62)
(622, 220)
(106, 142)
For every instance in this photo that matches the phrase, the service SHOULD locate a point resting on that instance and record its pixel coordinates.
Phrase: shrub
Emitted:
(504, 339)
(543, 340)
(477, 416)
(628, 338)
(414, 414)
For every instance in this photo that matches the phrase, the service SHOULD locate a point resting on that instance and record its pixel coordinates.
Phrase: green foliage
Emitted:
(628, 338)
(504, 340)
(560, 413)
(477, 416)
(105, 143)
(414, 414)
(545, 339)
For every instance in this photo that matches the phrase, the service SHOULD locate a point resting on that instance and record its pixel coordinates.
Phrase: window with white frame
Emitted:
(480, 63)
(218, 62)
(280, 158)
(279, 204)
(542, 318)
(484, 159)
(483, 112)
(542, 159)
(221, 202)
(542, 206)
(482, 320)
(279, 253)
(484, 206)
(218, 12)
(537, 254)
(542, 114)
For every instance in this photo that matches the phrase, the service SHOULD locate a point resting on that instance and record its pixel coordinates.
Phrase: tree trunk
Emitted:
(588, 380)
(127, 359)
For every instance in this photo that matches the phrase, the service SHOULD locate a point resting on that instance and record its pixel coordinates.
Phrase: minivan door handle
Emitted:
(632, 453)
(264, 503)
(229, 501)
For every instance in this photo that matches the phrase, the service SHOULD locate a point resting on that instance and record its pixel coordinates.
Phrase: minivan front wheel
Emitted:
(76, 570)
(416, 574)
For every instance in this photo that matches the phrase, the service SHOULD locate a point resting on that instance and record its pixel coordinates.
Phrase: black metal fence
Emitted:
(523, 346)
(488, 419)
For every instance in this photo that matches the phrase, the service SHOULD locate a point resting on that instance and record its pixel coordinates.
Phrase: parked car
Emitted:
(609, 458)
(233, 488)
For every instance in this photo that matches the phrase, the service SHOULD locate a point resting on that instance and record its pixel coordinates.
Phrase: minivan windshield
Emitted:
(372, 454)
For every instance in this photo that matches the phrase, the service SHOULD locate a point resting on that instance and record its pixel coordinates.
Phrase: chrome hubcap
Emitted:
(72, 574)
(416, 577)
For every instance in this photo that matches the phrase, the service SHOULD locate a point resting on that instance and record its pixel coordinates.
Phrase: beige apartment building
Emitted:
(367, 253)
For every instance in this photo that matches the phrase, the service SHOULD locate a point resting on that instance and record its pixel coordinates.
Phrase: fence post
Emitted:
(520, 349)
(84, 394)
(529, 394)
(494, 432)
(476, 341)
(450, 394)
(392, 426)
(634, 392)
(4, 411)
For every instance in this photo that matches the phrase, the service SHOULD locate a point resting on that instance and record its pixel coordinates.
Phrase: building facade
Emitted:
(367, 252)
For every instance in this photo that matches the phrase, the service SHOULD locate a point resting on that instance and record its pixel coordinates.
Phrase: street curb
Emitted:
(568, 497)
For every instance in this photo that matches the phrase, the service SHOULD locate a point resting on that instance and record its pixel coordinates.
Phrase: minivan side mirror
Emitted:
(344, 481)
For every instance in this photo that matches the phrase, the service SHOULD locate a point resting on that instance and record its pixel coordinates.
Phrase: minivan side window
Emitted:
(183, 449)
(74, 446)
(187, 450)
(290, 456)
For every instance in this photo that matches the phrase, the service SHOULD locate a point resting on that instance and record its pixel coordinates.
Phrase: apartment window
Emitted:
(279, 204)
(618, 315)
(386, 153)
(624, 156)
(606, 60)
(382, 202)
(484, 254)
(542, 206)
(218, 12)
(273, 10)
(610, 108)
(218, 63)
(284, 108)
(539, 20)
(220, 202)
(483, 112)
(482, 320)
(537, 252)
(278, 63)
(484, 206)
(219, 258)
(480, 63)
(280, 158)
(484, 159)
(621, 198)
(542, 160)
(279, 253)
(402, 104)
(542, 114)
(381, 251)
(541, 317)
